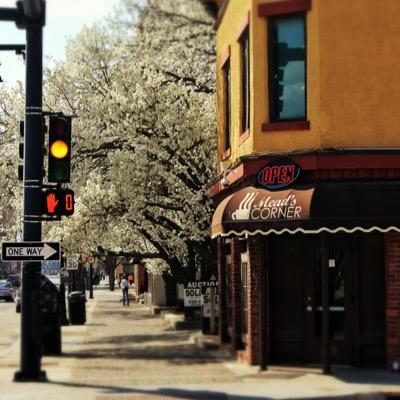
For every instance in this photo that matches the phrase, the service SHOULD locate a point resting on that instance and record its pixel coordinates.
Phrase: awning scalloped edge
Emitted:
(308, 231)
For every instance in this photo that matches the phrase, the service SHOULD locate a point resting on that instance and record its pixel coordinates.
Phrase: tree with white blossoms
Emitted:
(143, 88)
(11, 112)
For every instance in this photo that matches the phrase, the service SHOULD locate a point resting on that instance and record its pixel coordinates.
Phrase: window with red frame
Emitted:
(287, 67)
(227, 97)
(245, 61)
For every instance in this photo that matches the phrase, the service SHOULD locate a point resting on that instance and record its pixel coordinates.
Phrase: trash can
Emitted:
(50, 315)
(77, 308)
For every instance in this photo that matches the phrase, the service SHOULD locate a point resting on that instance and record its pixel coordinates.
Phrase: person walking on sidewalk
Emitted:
(124, 285)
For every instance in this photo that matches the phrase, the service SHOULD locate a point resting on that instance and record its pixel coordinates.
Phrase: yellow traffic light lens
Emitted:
(59, 149)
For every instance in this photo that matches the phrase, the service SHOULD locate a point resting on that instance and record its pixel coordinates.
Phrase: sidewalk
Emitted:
(126, 353)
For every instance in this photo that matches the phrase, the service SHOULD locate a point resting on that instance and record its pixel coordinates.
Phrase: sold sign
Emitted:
(58, 202)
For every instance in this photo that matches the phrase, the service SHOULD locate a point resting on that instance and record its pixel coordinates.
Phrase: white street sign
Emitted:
(72, 263)
(30, 251)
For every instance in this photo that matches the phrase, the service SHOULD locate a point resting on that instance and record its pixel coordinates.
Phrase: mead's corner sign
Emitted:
(30, 251)
(279, 174)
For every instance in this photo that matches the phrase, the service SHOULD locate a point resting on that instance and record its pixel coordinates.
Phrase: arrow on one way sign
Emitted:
(30, 251)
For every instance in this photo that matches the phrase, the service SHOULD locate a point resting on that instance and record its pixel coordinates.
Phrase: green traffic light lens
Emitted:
(59, 172)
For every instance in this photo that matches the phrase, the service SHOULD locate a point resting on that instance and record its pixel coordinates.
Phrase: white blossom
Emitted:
(142, 86)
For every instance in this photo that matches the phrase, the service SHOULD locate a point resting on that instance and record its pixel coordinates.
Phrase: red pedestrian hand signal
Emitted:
(58, 202)
(51, 203)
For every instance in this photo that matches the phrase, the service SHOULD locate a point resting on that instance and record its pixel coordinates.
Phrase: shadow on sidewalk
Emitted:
(126, 312)
(162, 392)
(129, 339)
(367, 375)
(174, 354)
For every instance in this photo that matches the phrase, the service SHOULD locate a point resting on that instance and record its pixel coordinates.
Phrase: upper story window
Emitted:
(227, 100)
(287, 67)
(245, 62)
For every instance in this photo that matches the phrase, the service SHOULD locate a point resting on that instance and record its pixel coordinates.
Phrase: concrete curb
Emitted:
(178, 323)
(205, 342)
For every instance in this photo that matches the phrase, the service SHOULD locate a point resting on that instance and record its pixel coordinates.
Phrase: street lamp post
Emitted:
(33, 9)
(31, 351)
(29, 15)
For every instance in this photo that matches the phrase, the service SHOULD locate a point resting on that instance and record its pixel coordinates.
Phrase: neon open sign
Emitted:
(278, 174)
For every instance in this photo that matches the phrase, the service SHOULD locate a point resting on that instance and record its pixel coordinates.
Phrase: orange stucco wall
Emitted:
(353, 93)
(360, 83)
(235, 14)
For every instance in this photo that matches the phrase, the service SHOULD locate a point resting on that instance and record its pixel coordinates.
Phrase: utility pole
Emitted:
(30, 16)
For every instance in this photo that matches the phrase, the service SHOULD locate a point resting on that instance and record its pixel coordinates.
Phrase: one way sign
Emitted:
(30, 251)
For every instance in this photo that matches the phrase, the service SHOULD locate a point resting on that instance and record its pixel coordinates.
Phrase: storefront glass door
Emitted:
(356, 269)
(340, 302)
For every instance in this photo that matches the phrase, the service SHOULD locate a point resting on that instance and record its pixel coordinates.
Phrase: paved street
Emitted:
(127, 353)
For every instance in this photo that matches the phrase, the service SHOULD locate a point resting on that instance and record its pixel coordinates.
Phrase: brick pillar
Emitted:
(236, 339)
(392, 275)
(255, 263)
(223, 323)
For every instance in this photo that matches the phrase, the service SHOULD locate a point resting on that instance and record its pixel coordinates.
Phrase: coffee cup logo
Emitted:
(243, 212)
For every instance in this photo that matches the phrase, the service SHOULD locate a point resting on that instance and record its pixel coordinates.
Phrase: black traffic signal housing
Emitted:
(59, 148)
(21, 150)
(21, 147)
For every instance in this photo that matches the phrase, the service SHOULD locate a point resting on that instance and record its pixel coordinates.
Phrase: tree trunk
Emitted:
(191, 267)
(207, 253)
(112, 278)
(111, 271)
(170, 289)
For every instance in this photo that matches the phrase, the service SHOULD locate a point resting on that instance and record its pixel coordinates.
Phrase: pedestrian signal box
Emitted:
(58, 202)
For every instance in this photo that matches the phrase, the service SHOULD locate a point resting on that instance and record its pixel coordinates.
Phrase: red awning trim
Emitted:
(307, 231)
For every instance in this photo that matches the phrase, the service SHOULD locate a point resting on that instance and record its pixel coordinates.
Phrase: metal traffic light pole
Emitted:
(31, 342)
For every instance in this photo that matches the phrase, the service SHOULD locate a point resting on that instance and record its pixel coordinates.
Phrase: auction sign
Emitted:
(207, 301)
(192, 294)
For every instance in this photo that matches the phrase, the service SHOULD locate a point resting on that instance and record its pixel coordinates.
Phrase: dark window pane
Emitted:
(287, 68)
(227, 78)
(245, 81)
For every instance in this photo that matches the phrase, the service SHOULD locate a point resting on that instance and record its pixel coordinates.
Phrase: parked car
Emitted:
(6, 291)
(15, 280)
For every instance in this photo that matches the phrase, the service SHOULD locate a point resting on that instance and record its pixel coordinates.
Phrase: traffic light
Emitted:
(21, 150)
(59, 148)
(58, 202)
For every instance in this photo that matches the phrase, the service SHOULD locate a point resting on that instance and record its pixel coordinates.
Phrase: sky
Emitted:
(64, 19)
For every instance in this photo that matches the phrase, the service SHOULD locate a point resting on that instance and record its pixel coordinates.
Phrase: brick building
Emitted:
(308, 188)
